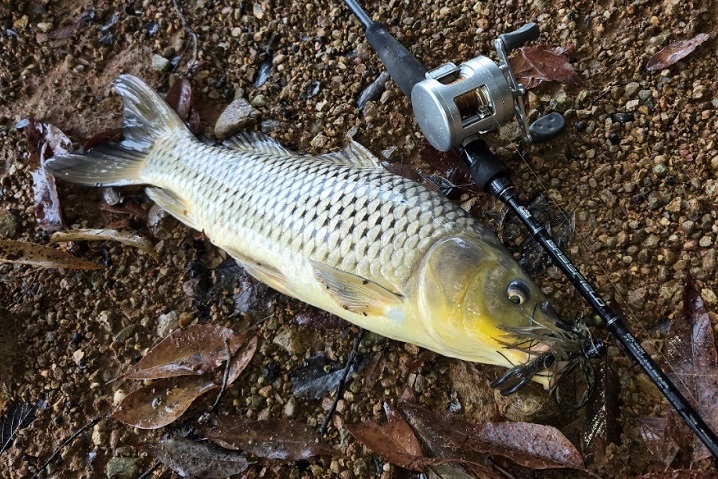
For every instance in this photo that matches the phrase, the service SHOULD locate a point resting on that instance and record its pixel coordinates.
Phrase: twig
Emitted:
(67, 441)
(342, 381)
(225, 377)
(193, 62)
(149, 471)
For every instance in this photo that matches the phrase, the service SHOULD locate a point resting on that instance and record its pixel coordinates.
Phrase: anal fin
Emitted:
(356, 294)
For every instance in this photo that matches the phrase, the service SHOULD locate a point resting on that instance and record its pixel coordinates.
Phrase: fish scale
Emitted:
(336, 231)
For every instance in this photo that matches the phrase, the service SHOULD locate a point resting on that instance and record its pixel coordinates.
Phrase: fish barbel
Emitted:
(336, 231)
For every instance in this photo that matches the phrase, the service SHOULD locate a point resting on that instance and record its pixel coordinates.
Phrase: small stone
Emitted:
(291, 341)
(78, 356)
(167, 322)
(100, 434)
(705, 241)
(122, 468)
(259, 101)
(258, 11)
(632, 104)
(637, 297)
(290, 408)
(126, 333)
(319, 141)
(119, 396)
(106, 319)
(632, 88)
(44, 27)
(675, 205)
(160, 63)
(8, 224)
(709, 296)
(660, 170)
(645, 95)
(237, 116)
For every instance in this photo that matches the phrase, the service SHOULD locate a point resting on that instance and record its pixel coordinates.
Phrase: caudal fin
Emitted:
(146, 118)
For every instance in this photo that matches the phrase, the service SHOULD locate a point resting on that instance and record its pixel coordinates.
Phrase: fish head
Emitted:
(478, 304)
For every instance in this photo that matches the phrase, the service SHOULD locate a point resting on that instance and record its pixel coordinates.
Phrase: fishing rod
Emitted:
(453, 106)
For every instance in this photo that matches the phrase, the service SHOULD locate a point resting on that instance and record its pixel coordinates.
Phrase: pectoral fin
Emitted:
(174, 205)
(264, 273)
(357, 294)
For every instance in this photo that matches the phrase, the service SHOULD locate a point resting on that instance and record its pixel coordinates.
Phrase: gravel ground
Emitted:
(643, 192)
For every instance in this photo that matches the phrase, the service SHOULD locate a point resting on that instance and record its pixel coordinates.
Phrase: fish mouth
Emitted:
(555, 352)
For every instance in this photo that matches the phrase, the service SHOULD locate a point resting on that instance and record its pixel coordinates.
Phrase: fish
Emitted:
(341, 233)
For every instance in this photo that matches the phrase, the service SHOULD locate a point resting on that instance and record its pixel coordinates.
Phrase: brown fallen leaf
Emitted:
(654, 432)
(534, 65)
(241, 359)
(395, 441)
(45, 140)
(691, 354)
(676, 51)
(679, 474)
(271, 438)
(72, 27)
(19, 252)
(531, 445)
(198, 349)
(181, 100)
(126, 238)
(197, 459)
(602, 426)
(161, 402)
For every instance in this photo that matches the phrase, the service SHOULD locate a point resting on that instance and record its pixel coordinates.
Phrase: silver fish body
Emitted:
(336, 231)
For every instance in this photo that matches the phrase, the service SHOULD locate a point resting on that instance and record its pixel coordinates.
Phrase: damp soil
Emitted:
(636, 165)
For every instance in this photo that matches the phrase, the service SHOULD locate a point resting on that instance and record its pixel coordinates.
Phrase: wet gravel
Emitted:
(637, 165)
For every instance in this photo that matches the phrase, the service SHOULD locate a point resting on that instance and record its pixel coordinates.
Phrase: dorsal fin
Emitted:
(255, 142)
(356, 294)
(353, 155)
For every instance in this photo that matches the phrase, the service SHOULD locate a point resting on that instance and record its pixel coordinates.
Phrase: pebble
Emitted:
(290, 341)
(8, 224)
(237, 116)
(167, 322)
(259, 101)
(78, 356)
(709, 296)
(660, 170)
(122, 468)
(44, 27)
(632, 88)
(290, 408)
(160, 63)
(705, 241)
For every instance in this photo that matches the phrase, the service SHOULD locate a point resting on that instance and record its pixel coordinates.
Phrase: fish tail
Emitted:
(146, 118)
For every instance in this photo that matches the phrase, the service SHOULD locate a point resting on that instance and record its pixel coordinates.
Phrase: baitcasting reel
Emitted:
(454, 104)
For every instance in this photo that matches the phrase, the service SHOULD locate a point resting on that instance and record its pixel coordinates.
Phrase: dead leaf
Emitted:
(602, 425)
(691, 353)
(654, 432)
(676, 51)
(198, 349)
(44, 141)
(126, 238)
(679, 474)
(271, 438)
(395, 441)
(241, 359)
(534, 65)
(181, 100)
(319, 376)
(161, 402)
(19, 416)
(111, 134)
(454, 178)
(197, 459)
(73, 26)
(530, 445)
(19, 252)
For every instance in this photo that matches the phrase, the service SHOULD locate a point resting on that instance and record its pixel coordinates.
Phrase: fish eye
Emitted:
(517, 292)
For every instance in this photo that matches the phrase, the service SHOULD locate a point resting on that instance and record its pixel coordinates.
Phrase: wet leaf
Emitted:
(271, 438)
(161, 402)
(371, 92)
(19, 252)
(19, 415)
(530, 445)
(44, 141)
(197, 459)
(533, 65)
(198, 349)
(679, 474)
(693, 359)
(655, 433)
(450, 471)
(676, 51)
(395, 441)
(602, 426)
(180, 98)
(126, 238)
(241, 359)
(454, 177)
(319, 376)
(73, 26)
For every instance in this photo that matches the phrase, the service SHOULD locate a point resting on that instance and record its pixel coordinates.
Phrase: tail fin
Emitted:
(146, 117)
